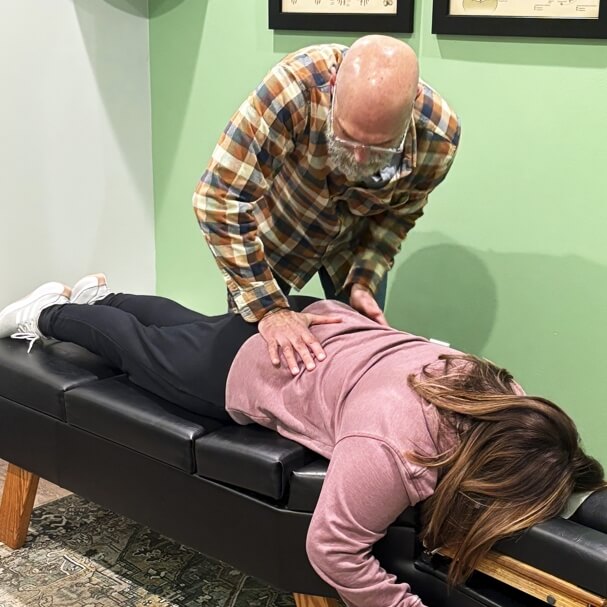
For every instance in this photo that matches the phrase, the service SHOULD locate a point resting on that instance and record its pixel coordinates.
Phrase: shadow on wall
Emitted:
(160, 7)
(115, 54)
(550, 306)
(143, 8)
(543, 313)
(134, 7)
(444, 291)
(177, 28)
(116, 45)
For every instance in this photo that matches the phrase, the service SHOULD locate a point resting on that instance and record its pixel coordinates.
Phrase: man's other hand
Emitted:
(362, 300)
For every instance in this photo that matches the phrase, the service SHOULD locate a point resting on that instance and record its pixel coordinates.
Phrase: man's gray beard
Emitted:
(344, 161)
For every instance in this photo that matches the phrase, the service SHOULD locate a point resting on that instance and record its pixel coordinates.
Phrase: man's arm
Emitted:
(386, 232)
(381, 242)
(259, 136)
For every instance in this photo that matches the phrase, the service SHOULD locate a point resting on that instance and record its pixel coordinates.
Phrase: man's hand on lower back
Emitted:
(287, 333)
(362, 300)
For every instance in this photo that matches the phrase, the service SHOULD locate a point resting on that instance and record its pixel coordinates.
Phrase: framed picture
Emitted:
(342, 15)
(554, 18)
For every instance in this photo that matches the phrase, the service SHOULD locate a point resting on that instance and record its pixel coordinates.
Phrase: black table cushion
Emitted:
(593, 512)
(250, 457)
(566, 549)
(119, 411)
(305, 485)
(40, 379)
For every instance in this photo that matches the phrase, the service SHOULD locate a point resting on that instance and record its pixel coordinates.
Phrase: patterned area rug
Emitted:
(80, 555)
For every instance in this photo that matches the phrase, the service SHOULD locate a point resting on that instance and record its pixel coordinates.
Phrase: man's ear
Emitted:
(333, 76)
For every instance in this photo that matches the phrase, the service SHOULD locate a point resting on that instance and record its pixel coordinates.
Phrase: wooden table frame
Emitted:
(535, 582)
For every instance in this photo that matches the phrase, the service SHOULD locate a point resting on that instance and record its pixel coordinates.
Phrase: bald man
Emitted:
(323, 169)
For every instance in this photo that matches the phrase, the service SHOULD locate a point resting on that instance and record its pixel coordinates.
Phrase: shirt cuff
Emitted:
(367, 272)
(254, 302)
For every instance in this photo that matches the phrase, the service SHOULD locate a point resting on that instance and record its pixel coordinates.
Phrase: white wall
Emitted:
(76, 191)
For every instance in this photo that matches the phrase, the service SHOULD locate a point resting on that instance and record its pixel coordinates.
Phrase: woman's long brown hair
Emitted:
(518, 460)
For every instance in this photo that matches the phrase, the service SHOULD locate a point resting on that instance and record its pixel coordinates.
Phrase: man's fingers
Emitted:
(322, 319)
(318, 350)
(301, 346)
(381, 319)
(365, 304)
(315, 346)
(273, 350)
(369, 306)
(289, 338)
(377, 317)
(289, 354)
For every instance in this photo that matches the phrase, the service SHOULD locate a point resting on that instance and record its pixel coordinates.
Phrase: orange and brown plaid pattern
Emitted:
(270, 203)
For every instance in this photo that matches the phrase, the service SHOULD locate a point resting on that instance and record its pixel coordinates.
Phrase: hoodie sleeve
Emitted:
(363, 493)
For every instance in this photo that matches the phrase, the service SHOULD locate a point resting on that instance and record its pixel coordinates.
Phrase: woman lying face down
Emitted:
(517, 461)
(401, 419)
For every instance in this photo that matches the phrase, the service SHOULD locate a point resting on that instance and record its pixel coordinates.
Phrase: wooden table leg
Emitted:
(17, 504)
(308, 600)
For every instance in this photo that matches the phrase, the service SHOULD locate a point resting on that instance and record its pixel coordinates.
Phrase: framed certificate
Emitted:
(554, 18)
(369, 16)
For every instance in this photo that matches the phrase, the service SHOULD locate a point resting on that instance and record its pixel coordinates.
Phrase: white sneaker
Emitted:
(90, 289)
(19, 320)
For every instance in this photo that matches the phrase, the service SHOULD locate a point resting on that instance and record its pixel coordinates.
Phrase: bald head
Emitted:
(375, 89)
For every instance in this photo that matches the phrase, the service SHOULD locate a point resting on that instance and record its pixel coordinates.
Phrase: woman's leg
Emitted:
(152, 310)
(164, 312)
(164, 347)
(187, 364)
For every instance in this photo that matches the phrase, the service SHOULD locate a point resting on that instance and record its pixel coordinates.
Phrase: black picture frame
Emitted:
(400, 22)
(443, 22)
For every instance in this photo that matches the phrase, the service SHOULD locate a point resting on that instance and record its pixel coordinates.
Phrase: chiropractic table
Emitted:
(242, 494)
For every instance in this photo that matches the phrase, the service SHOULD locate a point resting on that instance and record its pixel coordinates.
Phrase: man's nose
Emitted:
(361, 155)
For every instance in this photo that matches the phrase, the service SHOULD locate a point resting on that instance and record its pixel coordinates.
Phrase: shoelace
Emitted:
(27, 331)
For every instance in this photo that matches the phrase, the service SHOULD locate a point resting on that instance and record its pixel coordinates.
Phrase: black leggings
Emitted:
(174, 352)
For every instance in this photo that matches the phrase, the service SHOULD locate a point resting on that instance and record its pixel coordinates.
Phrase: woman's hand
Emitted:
(287, 331)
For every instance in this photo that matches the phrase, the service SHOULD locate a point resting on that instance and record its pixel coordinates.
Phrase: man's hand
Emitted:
(288, 331)
(362, 300)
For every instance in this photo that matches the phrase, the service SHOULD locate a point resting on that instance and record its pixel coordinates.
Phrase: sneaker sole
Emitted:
(48, 288)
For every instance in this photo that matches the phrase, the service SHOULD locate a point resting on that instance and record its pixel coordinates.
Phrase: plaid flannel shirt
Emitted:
(269, 201)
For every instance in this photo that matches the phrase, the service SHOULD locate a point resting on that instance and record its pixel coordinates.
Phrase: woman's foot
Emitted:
(19, 320)
(90, 289)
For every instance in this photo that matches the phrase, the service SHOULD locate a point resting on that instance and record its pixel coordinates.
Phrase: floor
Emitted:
(47, 492)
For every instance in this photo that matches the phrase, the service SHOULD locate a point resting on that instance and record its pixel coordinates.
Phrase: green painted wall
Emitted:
(510, 261)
